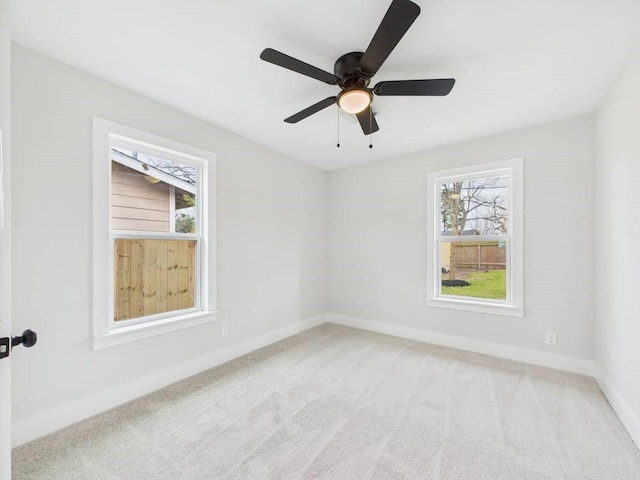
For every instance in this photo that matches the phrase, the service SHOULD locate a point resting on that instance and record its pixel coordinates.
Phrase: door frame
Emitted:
(5, 238)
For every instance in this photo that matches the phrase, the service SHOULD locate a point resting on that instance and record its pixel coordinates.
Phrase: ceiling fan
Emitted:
(353, 71)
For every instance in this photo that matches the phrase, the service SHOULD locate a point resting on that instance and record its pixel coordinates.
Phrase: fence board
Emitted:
(191, 273)
(137, 277)
(149, 279)
(123, 280)
(172, 275)
(183, 275)
(161, 276)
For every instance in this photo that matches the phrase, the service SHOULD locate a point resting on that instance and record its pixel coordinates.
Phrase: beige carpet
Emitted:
(338, 403)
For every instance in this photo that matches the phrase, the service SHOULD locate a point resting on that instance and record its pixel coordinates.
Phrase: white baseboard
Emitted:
(626, 415)
(36, 426)
(535, 357)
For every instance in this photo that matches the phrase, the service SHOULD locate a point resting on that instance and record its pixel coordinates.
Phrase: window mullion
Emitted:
(154, 235)
(475, 238)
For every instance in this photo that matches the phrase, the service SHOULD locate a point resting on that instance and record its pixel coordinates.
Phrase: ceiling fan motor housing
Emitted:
(347, 70)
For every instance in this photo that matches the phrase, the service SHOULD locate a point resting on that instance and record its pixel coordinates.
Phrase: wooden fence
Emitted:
(153, 276)
(479, 256)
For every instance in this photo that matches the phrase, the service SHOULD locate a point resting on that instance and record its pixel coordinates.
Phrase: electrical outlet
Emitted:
(550, 338)
(224, 329)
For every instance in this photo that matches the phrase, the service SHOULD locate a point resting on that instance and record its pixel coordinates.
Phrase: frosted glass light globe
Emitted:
(354, 101)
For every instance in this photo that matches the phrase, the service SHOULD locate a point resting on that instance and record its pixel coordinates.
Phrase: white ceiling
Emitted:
(516, 63)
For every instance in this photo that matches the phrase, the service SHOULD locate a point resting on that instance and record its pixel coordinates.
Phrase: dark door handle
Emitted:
(27, 339)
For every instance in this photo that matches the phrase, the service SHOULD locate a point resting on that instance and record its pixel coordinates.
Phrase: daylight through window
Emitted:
(473, 235)
(155, 228)
(472, 209)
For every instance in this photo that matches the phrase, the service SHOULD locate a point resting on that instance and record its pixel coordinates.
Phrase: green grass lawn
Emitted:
(491, 284)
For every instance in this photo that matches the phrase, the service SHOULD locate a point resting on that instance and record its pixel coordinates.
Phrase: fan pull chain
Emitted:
(338, 110)
(370, 126)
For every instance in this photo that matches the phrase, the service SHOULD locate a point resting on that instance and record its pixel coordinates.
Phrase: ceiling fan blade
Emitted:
(277, 58)
(396, 22)
(367, 121)
(315, 108)
(435, 87)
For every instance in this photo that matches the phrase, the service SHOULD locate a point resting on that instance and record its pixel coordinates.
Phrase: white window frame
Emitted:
(107, 332)
(514, 304)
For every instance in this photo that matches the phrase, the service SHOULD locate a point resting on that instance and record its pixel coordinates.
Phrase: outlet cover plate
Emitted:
(550, 338)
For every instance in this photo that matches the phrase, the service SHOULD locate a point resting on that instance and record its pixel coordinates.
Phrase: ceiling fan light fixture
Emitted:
(355, 100)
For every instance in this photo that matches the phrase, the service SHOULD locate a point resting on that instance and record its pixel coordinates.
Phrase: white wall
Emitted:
(618, 252)
(271, 229)
(5, 239)
(377, 238)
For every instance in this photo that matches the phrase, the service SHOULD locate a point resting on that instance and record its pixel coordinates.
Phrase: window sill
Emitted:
(473, 306)
(132, 333)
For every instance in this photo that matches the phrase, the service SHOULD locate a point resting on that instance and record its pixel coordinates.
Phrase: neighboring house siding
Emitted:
(137, 204)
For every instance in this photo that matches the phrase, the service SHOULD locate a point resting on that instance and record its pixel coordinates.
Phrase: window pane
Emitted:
(474, 206)
(474, 269)
(152, 194)
(153, 276)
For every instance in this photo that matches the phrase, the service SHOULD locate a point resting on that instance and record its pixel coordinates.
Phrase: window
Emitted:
(151, 223)
(475, 254)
